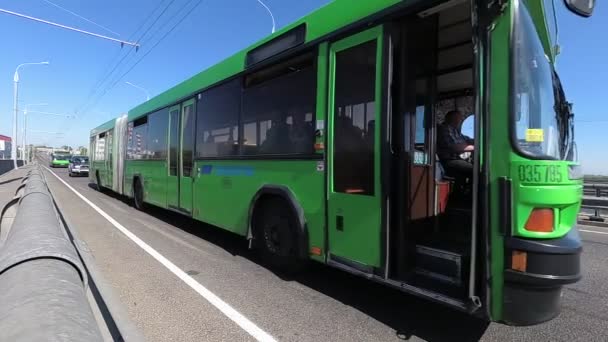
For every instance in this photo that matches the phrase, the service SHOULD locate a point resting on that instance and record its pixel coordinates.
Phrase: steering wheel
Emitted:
(467, 156)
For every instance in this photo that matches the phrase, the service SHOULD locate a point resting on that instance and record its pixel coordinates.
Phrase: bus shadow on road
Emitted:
(407, 315)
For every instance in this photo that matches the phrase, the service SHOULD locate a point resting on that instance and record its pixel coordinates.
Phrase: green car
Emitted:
(60, 160)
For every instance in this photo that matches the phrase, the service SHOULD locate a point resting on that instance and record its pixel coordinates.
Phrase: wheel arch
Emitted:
(287, 195)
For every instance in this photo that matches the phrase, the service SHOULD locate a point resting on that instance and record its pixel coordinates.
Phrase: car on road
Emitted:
(79, 165)
(60, 160)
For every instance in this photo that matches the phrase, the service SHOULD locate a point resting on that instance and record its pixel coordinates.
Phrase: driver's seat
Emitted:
(459, 189)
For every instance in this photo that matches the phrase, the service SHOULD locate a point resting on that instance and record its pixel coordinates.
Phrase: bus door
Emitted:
(109, 145)
(186, 160)
(181, 153)
(172, 171)
(354, 199)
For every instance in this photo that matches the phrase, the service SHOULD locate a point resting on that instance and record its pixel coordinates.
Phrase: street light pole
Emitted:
(15, 143)
(16, 110)
(274, 25)
(140, 88)
(24, 143)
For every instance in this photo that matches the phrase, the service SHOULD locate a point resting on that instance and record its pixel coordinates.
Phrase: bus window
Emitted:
(278, 109)
(354, 119)
(138, 136)
(158, 123)
(217, 117)
(173, 141)
(100, 148)
(187, 140)
(468, 126)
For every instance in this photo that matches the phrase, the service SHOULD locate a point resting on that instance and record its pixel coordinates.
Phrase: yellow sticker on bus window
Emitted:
(535, 135)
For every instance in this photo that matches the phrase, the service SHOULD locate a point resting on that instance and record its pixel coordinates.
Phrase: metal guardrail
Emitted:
(595, 189)
(42, 279)
(595, 198)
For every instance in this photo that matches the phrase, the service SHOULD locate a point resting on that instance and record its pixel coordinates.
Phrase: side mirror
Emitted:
(584, 8)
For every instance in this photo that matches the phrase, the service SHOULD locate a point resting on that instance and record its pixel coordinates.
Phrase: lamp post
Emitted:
(271, 15)
(16, 107)
(24, 143)
(140, 88)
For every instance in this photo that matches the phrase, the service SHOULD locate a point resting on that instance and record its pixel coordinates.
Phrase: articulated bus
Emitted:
(321, 142)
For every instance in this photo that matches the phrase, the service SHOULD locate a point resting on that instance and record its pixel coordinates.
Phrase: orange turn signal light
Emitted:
(519, 261)
(315, 251)
(540, 220)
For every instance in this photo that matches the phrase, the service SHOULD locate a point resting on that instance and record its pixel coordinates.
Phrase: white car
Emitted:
(79, 165)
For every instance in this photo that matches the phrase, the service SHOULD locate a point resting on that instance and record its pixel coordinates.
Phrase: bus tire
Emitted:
(98, 180)
(275, 235)
(138, 194)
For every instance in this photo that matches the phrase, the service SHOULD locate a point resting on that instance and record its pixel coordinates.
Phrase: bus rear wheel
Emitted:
(138, 194)
(276, 237)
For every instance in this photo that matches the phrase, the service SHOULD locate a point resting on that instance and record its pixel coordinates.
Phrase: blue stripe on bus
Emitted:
(227, 170)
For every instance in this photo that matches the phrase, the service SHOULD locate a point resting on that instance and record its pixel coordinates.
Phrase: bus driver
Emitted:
(451, 143)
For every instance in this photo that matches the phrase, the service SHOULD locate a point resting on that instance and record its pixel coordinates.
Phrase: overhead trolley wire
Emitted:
(103, 78)
(189, 9)
(198, 2)
(106, 77)
(81, 17)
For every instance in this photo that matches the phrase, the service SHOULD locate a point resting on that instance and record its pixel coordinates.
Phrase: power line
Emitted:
(101, 78)
(81, 17)
(157, 43)
(156, 20)
(116, 80)
(98, 85)
(122, 42)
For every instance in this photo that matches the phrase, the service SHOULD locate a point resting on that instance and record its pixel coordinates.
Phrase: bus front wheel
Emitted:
(275, 235)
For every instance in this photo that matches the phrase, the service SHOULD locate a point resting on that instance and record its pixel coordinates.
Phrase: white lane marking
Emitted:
(216, 301)
(594, 227)
(591, 231)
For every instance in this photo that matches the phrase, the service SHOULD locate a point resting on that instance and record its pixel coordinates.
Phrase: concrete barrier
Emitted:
(7, 165)
(42, 279)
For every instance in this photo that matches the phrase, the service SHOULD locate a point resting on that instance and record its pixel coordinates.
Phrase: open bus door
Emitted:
(354, 199)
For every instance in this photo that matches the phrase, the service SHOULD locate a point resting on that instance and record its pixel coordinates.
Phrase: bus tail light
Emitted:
(315, 251)
(540, 220)
(519, 261)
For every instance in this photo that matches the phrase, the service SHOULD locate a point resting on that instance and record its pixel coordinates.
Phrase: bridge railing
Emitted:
(43, 283)
(595, 199)
(595, 189)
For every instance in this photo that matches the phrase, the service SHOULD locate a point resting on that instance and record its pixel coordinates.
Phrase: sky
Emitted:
(79, 65)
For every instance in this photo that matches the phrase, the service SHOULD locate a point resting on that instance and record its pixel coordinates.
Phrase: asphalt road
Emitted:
(322, 304)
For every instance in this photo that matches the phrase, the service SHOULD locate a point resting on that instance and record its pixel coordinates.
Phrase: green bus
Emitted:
(321, 142)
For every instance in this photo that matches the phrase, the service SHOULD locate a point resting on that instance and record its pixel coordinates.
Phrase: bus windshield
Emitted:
(535, 84)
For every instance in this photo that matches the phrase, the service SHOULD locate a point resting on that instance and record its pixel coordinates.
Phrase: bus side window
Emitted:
(278, 108)
(217, 116)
